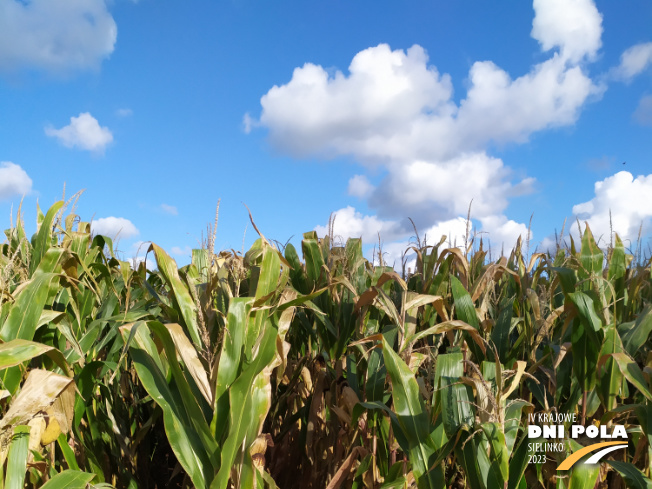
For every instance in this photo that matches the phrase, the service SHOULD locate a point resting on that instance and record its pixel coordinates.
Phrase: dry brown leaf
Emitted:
(190, 359)
(38, 394)
(347, 466)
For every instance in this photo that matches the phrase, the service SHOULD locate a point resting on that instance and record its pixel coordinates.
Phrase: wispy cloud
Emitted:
(169, 209)
(124, 112)
(633, 62)
(643, 113)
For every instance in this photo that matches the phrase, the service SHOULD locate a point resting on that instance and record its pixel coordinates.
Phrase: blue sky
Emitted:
(378, 111)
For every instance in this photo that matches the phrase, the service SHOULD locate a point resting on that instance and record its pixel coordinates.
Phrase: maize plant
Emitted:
(317, 368)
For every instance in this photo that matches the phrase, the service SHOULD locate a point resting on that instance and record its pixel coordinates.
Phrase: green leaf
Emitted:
(463, 304)
(500, 332)
(15, 352)
(376, 375)
(583, 476)
(610, 375)
(617, 263)
(26, 311)
(241, 398)
(632, 372)
(586, 310)
(184, 440)
(635, 337)
(466, 312)
(230, 359)
(183, 301)
(412, 416)
(68, 452)
(455, 397)
(43, 239)
(591, 257)
(17, 458)
(69, 479)
(632, 475)
(519, 462)
(499, 458)
(314, 260)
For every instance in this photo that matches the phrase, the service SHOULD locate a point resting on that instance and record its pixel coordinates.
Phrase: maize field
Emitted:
(315, 368)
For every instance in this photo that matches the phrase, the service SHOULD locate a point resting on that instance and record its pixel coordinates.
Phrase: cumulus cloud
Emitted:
(13, 180)
(621, 203)
(434, 191)
(643, 113)
(573, 26)
(350, 223)
(57, 37)
(380, 99)
(393, 106)
(169, 209)
(455, 231)
(634, 61)
(500, 109)
(503, 233)
(83, 132)
(395, 112)
(114, 227)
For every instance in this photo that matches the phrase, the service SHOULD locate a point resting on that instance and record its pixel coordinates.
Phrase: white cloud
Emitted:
(643, 113)
(628, 200)
(455, 231)
(368, 113)
(573, 26)
(359, 186)
(58, 37)
(169, 209)
(500, 109)
(393, 107)
(83, 132)
(114, 227)
(503, 233)
(350, 223)
(433, 191)
(395, 112)
(634, 61)
(13, 180)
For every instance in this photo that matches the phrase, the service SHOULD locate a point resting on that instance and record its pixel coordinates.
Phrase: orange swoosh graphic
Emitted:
(570, 461)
